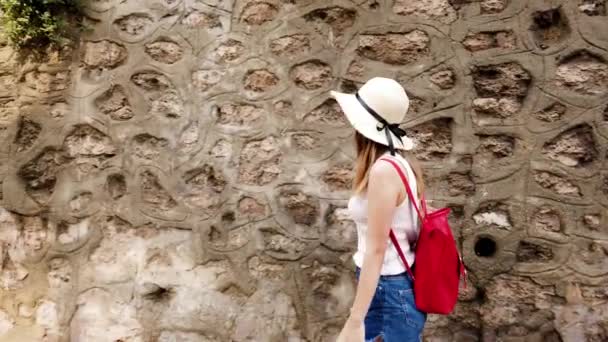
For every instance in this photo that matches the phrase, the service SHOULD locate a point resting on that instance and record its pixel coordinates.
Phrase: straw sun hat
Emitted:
(376, 111)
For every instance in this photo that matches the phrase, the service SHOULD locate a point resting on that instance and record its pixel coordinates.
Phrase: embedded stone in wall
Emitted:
(32, 240)
(261, 80)
(303, 208)
(494, 214)
(500, 108)
(40, 173)
(203, 80)
(433, 139)
(151, 81)
(306, 141)
(330, 290)
(87, 141)
(592, 221)
(134, 25)
(394, 48)
(355, 69)
(229, 51)
(94, 318)
(47, 82)
(80, 202)
(532, 252)
(507, 79)
(549, 27)
(496, 146)
(262, 269)
(493, 6)
(339, 177)
(605, 186)
(283, 107)
(197, 19)
(501, 313)
(444, 79)
(12, 273)
(547, 219)
(259, 162)
(206, 177)
(574, 147)
(551, 113)
(439, 10)
(205, 185)
(291, 46)
(114, 102)
(149, 147)
(221, 149)
(103, 54)
(583, 73)
(557, 184)
(9, 110)
(6, 323)
(259, 12)
(168, 105)
(341, 230)
(47, 318)
(460, 184)
(116, 185)
(326, 114)
(189, 138)
(593, 7)
(27, 134)
(592, 253)
(164, 51)
(154, 194)
(280, 246)
(311, 75)
(252, 208)
(500, 88)
(338, 18)
(490, 40)
(240, 115)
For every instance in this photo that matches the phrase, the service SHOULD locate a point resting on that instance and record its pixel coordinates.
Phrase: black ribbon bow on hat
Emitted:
(384, 125)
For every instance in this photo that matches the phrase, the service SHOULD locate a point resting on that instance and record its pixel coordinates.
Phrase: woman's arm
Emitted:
(383, 193)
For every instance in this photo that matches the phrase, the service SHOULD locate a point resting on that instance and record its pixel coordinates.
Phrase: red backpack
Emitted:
(439, 267)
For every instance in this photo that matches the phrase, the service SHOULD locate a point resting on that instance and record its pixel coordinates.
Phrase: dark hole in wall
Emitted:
(531, 252)
(485, 247)
(228, 216)
(214, 234)
(349, 86)
(159, 294)
(549, 27)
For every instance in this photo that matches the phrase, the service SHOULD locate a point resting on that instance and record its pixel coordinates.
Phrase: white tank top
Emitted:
(405, 225)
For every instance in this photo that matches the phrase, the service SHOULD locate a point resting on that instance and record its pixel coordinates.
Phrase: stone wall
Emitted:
(182, 174)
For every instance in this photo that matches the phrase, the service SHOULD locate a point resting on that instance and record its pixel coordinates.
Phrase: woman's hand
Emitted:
(353, 331)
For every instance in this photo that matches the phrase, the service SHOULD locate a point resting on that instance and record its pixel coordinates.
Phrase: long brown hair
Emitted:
(368, 152)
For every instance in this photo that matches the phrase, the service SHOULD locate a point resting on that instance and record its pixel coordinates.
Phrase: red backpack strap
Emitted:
(401, 255)
(412, 198)
(407, 187)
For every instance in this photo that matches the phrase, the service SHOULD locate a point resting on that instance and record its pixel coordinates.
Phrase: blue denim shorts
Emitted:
(393, 314)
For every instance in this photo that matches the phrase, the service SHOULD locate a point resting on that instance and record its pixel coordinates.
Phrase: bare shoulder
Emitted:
(381, 172)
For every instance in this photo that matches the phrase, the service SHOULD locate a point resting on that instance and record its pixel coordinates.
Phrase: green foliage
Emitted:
(39, 23)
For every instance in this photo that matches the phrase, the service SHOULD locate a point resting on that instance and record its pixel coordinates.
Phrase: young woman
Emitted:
(383, 308)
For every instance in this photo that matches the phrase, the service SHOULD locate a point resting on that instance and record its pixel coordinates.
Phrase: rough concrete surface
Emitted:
(181, 173)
